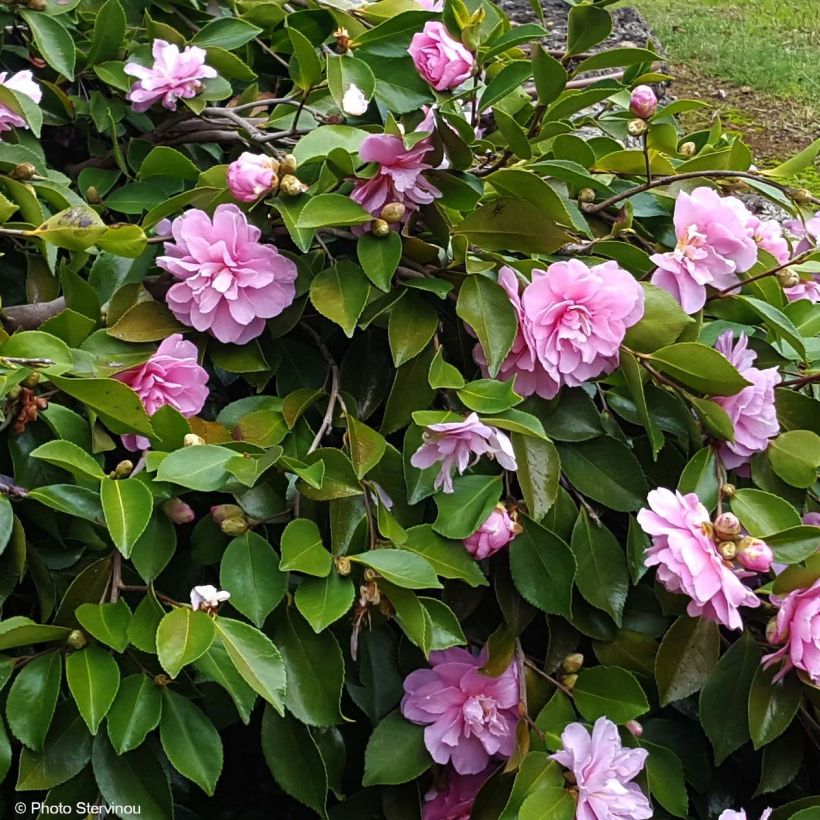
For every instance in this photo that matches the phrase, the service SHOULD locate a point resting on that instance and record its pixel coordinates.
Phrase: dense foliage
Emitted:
(353, 357)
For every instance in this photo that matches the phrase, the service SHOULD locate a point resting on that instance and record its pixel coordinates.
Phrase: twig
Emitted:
(116, 576)
(28, 317)
(335, 394)
(538, 671)
(802, 381)
(141, 588)
(795, 261)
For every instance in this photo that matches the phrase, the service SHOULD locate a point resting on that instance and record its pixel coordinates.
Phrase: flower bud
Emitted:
(37, 5)
(290, 185)
(393, 212)
(236, 525)
(802, 196)
(586, 195)
(636, 128)
(25, 170)
(343, 565)
(76, 639)
(32, 380)
(643, 102)
(754, 554)
(687, 149)
(370, 574)
(728, 549)
(221, 512)
(162, 680)
(771, 631)
(288, 165)
(569, 681)
(726, 527)
(192, 440)
(572, 663)
(178, 511)
(342, 37)
(93, 195)
(379, 227)
(788, 278)
(634, 727)
(727, 490)
(123, 469)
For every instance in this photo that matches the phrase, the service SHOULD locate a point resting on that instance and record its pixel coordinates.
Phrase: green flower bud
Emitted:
(234, 526)
(379, 227)
(393, 212)
(77, 639)
(636, 128)
(192, 440)
(572, 663)
(687, 149)
(124, 469)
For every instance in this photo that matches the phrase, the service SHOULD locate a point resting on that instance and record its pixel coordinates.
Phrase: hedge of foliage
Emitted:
(400, 419)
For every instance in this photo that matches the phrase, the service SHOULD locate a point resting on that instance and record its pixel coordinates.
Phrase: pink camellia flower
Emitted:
(688, 561)
(453, 799)
(522, 362)
(22, 83)
(175, 75)
(807, 232)
(431, 5)
(470, 717)
(440, 60)
(812, 519)
(230, 283)
(399, 178)
(755, 555)
(797, 627)
(805, 289)
(494, 534)
(178, 511)
(729, 814)
(643, 102)
(752, 410)
(171, 376)
(250, 176)
(457, 445)
(603, 769)
(713, 247)
(577, 317)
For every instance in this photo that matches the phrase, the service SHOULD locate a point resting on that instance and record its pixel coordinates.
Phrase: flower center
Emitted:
(480, 713)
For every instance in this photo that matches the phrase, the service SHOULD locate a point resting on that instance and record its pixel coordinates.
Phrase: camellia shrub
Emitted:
(401, 419)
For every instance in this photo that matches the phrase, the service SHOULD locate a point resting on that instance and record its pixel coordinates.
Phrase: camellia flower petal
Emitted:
(752, 411)
(230, 283)
(22, 83)
(729, 814)
(453, 799)
(713, 246)
(171, 376)
(797, 627)
(456, 445)
(603, 771)
(175, 75)
(208, 597)
(807, 232)
(251, 175)
(442, 61)
(688, 561)
(470, 717)
(354, 101)
(493, 535)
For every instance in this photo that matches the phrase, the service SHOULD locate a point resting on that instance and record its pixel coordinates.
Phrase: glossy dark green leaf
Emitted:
(107, 622)
(772, 706)
(463, 511)
(687, 655)
(94, 679)
(381, 765)
(611, 692)
(135, 712)
(322, 601)
(32, 699)
(182, 636)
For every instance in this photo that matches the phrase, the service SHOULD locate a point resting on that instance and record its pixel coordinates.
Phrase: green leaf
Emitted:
(303, 549)
(22, 105)
(448, 558)
(322, 601)
(70, 457)
(332, 211)
(699, 367)
(606, 470)
(489, 396)
(134, 713)
(198, 468)
(155, 547)
(142, 631)
(443, 374)
(216, 666)
(93, 678)
(723, 699)
(772, 706)
(340, 293)
(504, 82)
(615, 57)
(379, 257)
(190, 741)
(795, 544)
(183, 636)
(552, 719)
(762, 513)
(382, 766)
(797, 163)
(537, 776)
(316, 662)
(367, 446)
(699, 476)
(686, 657)
(777, 322)
(413, 321)
(633, 376)
(664, 774)
(782, 760)
(405, 569)
(250, 570)
(32, 699)
(463, 511)
(22, 631)
(226, 32)
(543, 569)
(601, 574)
(608, 691)
(53, 41)
(549, 75)
(109, 32)
(795, 457)
(256, 659)
(445, 629)
(294, 760)
(305, 66)
(72, 500)
(586, 27)
(344, 71)
(127, 505)
(38, 344)
(106, 622)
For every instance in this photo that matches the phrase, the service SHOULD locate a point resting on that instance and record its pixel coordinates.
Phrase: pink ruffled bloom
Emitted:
(470, 717)
(808, 233)
(23, 83)
(687, 560)
(752, 410)
(399, 178)
(454, 799)
(729, 814)
(643, 102)
(522, 362)
(230, 283)
(493, 535)
(797, 627)
(457, 445)
(171, 376)
(577, 318)
(440, 60)
(603, 770)
(431, 5)
(250, 176)
(175, 75)
(713, 246)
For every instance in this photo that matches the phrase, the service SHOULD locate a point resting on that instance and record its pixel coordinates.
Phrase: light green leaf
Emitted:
(127, 505)
(183, 636)
(608, 691)
(340, 293)
(322, 601)
(405, 569)
(303, 549)
(93, 678)
(135, 712)
(106, 622)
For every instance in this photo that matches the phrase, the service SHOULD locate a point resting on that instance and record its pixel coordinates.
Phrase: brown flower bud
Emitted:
(25, 170)
(235, 526)
(162, 680)
(572, 663)
(802, 196)
(687, 149)
(636, 128)
(342, 36)
(192, 440)
(378, 227)
(291, 185)
(77, 639)
(343, 565)
(123, 469)
(788, 278)
(221, 512)
(36, 5)
(288, 165)
(727, 490)
(586, 195)
(728, 549)
(393, 212)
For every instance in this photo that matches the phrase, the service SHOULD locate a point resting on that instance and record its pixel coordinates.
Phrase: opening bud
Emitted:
(643, 102)
(288, 165)
(727, 549)
(291, 185)
(393, 212)
(192, 440)
(379, 227)
(25, 170)
(586, 195)
(569, 681)
(178, 511)
(802, 196)
(572, 663)
(687, 149)
(634, 727)
(636, 128)
(343, 565)
(236, 525)
(221, 512)
(76, 639)
(726, 527)
(788, 278)
(754, 554)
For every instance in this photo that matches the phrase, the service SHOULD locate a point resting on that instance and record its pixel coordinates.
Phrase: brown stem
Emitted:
(141, 588)
(538, 671)
(772, 272)
(802, 381)
(29, 317)
(335, 395)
